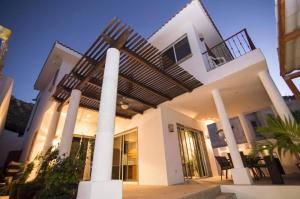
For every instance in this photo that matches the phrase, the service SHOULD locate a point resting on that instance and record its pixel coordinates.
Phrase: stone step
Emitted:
(206, 194)
(226, 196)
(211, 193)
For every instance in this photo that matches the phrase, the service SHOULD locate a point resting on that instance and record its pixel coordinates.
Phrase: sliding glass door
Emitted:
(124, 164)
(193, 152)
(125, 157)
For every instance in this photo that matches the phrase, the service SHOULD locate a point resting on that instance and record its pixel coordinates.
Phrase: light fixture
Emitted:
(124, 105)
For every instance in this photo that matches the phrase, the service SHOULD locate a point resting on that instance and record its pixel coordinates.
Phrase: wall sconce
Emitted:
(171, 128)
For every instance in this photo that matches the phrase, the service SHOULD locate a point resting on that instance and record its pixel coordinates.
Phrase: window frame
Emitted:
(172, 45)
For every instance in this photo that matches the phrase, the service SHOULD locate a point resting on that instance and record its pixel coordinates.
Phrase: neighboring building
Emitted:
(12, 139)
(6, 83)
(288, 15)
(171, 88)
(292, 103)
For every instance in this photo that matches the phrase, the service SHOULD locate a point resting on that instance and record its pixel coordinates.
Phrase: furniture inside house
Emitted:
(225, 164)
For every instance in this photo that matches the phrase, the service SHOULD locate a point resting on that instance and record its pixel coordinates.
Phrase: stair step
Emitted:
(206, 194)
(226, 196)
(211, 193)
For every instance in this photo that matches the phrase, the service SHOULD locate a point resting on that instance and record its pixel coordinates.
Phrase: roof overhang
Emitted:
(58, 53)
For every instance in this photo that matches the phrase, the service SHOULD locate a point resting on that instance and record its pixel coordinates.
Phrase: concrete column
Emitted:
(69, 126)
(247, 130)
(240, 174)
(52, 129)
(279, 104)
(101, 185)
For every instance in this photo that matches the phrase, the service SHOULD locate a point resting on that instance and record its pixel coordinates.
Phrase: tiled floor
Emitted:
(193, 186)
(164, 192)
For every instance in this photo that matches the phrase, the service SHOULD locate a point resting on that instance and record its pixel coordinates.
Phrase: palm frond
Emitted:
(285, 132)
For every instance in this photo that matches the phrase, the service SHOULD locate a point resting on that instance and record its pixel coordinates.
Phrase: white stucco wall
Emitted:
(6, 86)
(151, 152)
(172, 150)
(34, 134)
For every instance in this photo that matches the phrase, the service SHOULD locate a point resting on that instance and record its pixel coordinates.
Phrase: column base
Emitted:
(101, 189)
(241, 176)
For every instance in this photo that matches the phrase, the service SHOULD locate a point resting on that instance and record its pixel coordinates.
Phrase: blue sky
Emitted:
(36, 25)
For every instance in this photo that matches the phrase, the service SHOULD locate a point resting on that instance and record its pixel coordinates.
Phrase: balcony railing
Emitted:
(228, 50)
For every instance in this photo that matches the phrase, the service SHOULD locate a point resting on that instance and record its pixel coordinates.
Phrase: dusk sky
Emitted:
(37, 24)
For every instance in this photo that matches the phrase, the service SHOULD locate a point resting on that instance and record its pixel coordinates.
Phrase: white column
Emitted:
(250, 137)
(101, 185)
(240, 174)
(52, 129)
(69, 126)
(279, 104)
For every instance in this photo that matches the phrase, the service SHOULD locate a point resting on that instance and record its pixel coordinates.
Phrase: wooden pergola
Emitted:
(284, 38)
(146, 78)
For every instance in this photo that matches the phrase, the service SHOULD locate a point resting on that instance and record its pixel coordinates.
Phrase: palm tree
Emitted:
(282, 135)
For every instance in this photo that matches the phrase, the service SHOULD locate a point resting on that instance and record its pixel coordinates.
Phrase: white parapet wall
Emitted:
(263, 191)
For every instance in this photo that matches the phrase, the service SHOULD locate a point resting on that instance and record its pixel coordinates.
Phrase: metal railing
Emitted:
(228, 50)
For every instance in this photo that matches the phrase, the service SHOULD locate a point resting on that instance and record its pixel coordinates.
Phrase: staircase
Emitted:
(211, 193)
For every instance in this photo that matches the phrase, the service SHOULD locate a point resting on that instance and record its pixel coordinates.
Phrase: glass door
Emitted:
(125, 157)
(124, 163)
(193, 152)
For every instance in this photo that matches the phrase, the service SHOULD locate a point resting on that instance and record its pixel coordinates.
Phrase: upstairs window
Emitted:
(177, 52)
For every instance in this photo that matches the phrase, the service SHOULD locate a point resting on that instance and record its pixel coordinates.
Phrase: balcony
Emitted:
(228, 50)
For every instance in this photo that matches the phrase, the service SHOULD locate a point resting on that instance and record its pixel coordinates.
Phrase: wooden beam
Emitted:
(293, 75)
(146, 63)
(127, 96)
(98, 101)
(100, 65)
(281, 35)
(154, 68)
(293, 88)
(292, 35)
(117, 114)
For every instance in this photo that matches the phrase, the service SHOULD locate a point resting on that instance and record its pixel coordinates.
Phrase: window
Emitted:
(176, 52)
(182, 49)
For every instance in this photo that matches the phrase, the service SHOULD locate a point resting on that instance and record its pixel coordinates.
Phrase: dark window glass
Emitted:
(168, 57)
(182, 49)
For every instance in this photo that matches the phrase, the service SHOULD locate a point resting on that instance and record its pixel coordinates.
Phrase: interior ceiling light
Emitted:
(124, 104)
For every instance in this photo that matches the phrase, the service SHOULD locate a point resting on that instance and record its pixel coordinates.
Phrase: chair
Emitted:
(224, 164)
(216, 61)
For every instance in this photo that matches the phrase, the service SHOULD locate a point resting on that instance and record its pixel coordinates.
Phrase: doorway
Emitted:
(125, 162)
(193, 152)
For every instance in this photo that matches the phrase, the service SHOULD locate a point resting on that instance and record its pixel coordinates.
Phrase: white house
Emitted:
(169, 90)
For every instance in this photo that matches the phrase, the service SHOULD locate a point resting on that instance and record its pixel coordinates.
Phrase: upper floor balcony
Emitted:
(233, 47)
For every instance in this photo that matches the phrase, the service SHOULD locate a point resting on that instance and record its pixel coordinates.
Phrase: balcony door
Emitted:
(193, 153)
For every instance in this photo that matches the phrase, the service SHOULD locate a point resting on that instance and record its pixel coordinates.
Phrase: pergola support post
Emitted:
(69, 126)
(101, 184)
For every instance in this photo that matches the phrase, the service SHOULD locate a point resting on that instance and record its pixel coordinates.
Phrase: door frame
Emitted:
(205, 152)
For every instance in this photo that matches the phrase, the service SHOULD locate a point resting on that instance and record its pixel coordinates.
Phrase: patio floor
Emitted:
(131, 191)
(164, 192)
